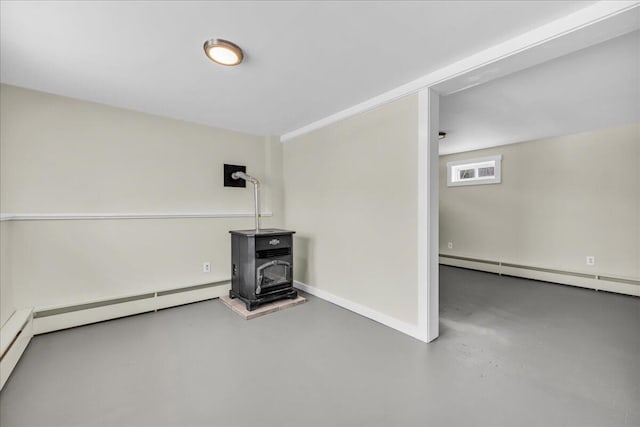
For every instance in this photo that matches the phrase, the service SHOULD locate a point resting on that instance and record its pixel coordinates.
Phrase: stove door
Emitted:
(272, 275)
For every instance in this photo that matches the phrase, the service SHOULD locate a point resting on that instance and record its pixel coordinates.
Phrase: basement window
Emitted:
(485, 170)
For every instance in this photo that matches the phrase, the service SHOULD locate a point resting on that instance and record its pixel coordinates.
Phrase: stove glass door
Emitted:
(273, 274)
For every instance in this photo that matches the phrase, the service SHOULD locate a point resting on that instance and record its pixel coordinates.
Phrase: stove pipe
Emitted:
(256, 193)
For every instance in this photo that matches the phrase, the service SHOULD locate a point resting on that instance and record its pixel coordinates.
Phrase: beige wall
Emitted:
(350, 193)
(64, 155)
(560, 200)
(61, 155)
(7, 306)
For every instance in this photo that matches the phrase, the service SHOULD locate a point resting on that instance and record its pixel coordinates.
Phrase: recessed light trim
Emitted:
(223, 52)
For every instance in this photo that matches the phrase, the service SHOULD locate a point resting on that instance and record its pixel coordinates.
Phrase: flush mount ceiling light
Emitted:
(223, 52)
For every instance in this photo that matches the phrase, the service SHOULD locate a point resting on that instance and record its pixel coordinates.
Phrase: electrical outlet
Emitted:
(591, 260)
(206, 267)
(450, 245)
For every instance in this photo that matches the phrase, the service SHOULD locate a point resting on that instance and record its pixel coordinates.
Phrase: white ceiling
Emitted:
(594, 88)
(304, 60)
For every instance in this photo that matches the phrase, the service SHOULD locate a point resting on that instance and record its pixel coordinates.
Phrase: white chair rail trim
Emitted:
(98, 216)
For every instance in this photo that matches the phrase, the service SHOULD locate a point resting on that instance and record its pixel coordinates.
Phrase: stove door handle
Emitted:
(260, 269)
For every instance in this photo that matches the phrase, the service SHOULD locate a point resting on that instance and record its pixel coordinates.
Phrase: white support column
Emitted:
(428, 173)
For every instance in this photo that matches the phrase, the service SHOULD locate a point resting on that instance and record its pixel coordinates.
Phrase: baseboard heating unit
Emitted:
(15, 335)
(610, 283)
(23, 324)
(50, 319)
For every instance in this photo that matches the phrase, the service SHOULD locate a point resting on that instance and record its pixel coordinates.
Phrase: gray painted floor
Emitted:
(512, 352)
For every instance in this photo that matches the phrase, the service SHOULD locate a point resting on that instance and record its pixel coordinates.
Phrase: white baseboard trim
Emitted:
(15, 335)
(398, 325)
(582, 280)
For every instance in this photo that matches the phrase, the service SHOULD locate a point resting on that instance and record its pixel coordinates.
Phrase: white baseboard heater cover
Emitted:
(25, 323)
(53, 319)
(610, 283)
(15, 335)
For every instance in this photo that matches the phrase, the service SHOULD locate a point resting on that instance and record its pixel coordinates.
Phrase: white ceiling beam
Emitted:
(591, 25)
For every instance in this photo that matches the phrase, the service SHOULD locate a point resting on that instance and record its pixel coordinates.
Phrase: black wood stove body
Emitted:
(261, 266)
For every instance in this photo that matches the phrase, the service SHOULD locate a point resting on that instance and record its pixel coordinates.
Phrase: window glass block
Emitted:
(489, 171)
(467, 173)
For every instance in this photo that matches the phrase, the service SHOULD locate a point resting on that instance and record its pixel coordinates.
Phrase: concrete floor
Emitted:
(512, 352)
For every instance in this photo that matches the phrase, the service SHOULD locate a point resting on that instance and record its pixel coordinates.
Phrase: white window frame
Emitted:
(490, 161)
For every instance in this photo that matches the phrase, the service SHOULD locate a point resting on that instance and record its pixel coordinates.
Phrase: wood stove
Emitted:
(261, 266)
